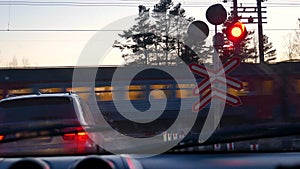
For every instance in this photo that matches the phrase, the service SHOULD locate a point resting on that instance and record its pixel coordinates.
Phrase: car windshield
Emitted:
(149, 77)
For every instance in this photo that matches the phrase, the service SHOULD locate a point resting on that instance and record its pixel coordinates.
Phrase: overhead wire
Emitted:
(127, 3)
(120, 3)
(9, 8)
(111, 30)
(66, 3)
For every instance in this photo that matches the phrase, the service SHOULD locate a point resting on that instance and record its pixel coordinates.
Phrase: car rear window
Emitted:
(41, 108)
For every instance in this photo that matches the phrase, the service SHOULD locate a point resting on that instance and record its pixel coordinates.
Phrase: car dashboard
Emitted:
(165, 161)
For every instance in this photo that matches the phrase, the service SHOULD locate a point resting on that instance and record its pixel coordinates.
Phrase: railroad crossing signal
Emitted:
(208, 91)
(198, 31)
(236, 32)
(216, 14)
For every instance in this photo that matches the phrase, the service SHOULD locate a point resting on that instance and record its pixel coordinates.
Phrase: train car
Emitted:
(270, 92)
(290, 91)
(260, 101)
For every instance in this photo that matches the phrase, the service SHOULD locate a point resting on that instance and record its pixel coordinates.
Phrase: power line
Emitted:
(124, 4)
(60, 30)
(111, 30)
(103, 3)
(62, 3)
(9, 9)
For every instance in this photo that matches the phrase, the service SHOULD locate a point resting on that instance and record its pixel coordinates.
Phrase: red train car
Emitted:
(270, 92)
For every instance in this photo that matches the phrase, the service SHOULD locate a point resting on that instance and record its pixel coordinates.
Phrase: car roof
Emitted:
(39, 95)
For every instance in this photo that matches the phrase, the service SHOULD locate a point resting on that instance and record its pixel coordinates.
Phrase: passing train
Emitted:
(270, 93)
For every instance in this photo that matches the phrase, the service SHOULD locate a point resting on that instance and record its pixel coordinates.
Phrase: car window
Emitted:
(31, 109)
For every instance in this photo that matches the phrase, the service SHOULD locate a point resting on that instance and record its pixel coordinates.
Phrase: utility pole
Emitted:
(250, 20)
(260, 33)
(235, 10)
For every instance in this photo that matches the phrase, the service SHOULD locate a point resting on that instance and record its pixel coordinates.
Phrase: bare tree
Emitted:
(25, 62)
(15, 63)
(292, 44)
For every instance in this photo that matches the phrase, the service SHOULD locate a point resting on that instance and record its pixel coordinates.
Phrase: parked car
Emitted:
(66, 111)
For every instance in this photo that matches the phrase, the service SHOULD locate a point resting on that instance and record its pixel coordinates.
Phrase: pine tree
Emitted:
(137, 38)
(269, 52)
(160, 38)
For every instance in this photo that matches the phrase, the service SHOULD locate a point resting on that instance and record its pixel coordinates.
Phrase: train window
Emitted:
(160, 86)
(135, 95)
(233, 91)
(160, 94)
(20, 91)
(161, 91)
(244, 91)
(103, 89)
(298, 86)
(136, 87)
(185, 90)
(245, 86)
(104, 96)
(135, 92)
(78, 89)
(83, 92)
(184, 93)
(191, 85)
(267, 87)
(1, 93)
(103, 93)
(51, 90)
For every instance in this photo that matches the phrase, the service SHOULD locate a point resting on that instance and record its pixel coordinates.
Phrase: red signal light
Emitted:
(236, 32)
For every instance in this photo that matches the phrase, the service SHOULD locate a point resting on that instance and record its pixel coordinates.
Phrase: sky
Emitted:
(27, 28)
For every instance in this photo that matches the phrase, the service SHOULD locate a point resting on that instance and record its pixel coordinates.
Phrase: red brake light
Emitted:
(1, 137)
(78, 135)
(69, 136)
(82, 136)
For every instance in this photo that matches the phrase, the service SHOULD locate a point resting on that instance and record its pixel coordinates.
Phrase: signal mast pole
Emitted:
(235, 18)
